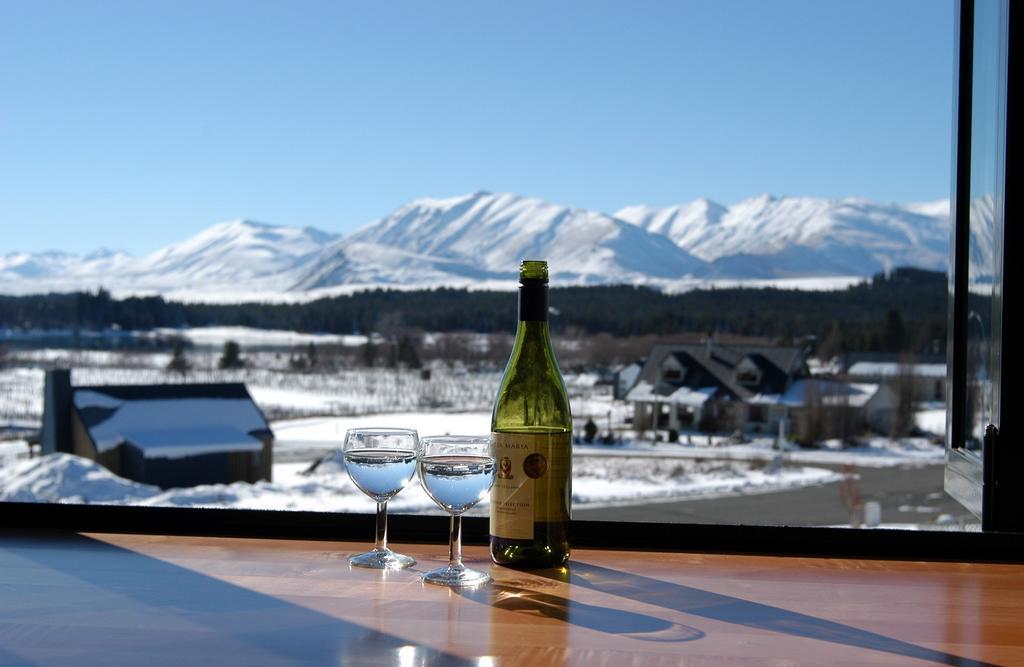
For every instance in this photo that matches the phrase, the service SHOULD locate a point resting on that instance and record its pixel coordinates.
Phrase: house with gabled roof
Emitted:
(715, 387)
(170, 435)
(821, 408)
(924, 374)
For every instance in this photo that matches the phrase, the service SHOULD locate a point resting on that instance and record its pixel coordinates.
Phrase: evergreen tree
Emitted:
(179, 363)
(894, 334)
(232, 356)
(408, 355)
(832, 345)
(369, 352)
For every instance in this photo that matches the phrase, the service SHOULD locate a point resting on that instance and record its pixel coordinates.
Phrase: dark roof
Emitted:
(149, 392)
(715, 366)
(171, 420)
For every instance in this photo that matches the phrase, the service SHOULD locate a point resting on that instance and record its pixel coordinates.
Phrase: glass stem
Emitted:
(455, 541)
(381, 543)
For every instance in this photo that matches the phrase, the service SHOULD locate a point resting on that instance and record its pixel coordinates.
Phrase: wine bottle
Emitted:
(532, 427)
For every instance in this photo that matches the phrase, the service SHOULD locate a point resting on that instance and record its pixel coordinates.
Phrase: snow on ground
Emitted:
(932, 420)
(65, 478)
(235, 295)
(11, 451)
(597, 481)
(307, 439)
(249, 337)
(876, 453)
(65, 358)
(294, 436)
(601, 477)
(639, 472)
(310, 413)
(278, 392)
(809, 284)
(21, 395)
(600, 481)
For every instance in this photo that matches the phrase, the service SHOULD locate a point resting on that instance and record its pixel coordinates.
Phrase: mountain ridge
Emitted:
(481, 236)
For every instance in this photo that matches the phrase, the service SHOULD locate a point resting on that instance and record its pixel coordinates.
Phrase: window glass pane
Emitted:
(987, 144)
(744, 204)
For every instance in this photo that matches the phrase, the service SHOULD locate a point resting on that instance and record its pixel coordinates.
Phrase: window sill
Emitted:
(117, 599)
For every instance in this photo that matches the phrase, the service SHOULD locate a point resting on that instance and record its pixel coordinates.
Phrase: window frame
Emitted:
(433, 529)
(963, 474)
(985, 482)
(1002, 496)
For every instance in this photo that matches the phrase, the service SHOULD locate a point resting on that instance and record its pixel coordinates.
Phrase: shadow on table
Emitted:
(742, 612)
(70, 599)
(613, 621)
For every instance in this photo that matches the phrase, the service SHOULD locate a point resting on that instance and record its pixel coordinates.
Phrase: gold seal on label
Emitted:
(535, 466)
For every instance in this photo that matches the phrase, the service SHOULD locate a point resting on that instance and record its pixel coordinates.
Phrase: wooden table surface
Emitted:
(69, 599)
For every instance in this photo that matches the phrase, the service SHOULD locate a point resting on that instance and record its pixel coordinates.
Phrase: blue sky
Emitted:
(133, 125)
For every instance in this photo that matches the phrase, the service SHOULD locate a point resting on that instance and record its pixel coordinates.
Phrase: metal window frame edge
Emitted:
(931, 545)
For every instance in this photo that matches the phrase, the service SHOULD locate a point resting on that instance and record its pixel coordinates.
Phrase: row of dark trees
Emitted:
(901, 312)
(231, 357)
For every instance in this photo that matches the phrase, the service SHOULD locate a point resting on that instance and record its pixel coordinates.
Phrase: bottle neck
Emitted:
(533, 301)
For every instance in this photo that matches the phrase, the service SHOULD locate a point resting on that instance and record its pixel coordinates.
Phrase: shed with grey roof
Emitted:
(173, 435)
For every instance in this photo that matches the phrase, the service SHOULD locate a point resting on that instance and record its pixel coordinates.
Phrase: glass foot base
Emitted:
(457, 575)
(382, 559)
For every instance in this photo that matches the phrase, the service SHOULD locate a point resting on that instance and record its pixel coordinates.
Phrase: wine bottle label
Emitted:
(532, 484)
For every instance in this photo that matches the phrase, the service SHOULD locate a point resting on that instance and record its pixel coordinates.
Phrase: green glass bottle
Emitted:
(532, 427)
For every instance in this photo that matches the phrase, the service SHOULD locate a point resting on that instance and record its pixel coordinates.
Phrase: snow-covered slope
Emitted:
(240, 255)
(240, 252)
(352, 262)
(483, 236)
(765, 236)
(486, 235)
(982, 248)
(59, 270)
(682, 223)
(22, 265)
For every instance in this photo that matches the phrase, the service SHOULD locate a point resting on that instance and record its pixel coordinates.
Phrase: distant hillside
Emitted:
(777, 237)
(477, 240)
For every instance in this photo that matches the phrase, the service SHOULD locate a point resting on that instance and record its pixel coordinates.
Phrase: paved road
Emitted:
(907, 495)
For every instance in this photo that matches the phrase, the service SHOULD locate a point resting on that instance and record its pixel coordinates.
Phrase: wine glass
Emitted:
(456, 471)
(381, 462)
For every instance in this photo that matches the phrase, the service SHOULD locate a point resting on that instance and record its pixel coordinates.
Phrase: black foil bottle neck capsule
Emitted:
(533, 300)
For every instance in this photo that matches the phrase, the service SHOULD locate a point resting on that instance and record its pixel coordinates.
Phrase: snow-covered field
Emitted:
(310, 413)
(597, 481)
(249, 337)
(875, 453)
(278, 391)
(932, 420)
(638, 472)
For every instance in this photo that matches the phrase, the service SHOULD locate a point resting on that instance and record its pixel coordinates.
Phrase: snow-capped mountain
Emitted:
(239, 252)
(47, 265)
(982, 247)
(16, 265)
(682, 223)
(482, 237)
(350, 262)
(239, 255)
(768, 237)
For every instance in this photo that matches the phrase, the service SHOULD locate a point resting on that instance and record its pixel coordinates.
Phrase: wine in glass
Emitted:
(456, 471)
(381, 462)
